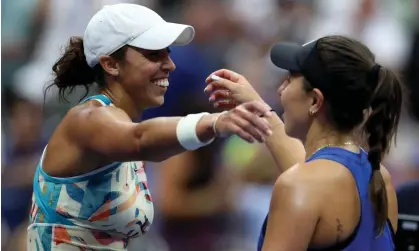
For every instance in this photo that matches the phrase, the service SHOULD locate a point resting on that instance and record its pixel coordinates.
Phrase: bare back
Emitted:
(341, 211)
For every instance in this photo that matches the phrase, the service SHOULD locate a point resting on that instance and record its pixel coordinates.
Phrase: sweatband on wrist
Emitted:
(186, 132)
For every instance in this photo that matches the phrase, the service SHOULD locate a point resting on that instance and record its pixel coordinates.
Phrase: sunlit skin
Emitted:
(131, 82)
(305, 116)
(298, 217)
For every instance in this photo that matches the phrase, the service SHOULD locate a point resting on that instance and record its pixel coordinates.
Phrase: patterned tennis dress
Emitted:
(101, 210)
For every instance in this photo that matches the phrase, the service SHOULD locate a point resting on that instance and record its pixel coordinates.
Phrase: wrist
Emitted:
(195, 131)
(204, 128)
(277, 125)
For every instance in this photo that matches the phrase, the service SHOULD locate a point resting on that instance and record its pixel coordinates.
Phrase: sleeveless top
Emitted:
(100, 210)
(364, 237)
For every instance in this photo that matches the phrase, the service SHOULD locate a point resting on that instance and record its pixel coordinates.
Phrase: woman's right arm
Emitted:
(109, 132)
(285, 150)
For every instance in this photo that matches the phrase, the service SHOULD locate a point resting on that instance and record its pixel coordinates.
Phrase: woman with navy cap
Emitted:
(333, 194)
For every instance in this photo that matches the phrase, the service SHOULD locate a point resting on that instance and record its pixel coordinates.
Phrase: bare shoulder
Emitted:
(315, 181)
(88, 120)
(292, 175)
(311, 177)
(294, 211)
(298, 189)
(290, 181)
(92, 111)
(317, 173)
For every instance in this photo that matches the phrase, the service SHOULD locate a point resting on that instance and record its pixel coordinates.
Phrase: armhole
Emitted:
(393, 233)
(341, 245)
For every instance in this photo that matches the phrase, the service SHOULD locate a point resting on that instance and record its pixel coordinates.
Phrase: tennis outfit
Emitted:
(106, 208)
(100, 210)
(364, 237)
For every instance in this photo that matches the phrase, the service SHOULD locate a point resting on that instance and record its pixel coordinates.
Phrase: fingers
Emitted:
(258, 107)
(241, 133)
(224, 73)
(254, 121)
(221, 83)
(220, 95)
(222, 99)
(250, 123)
(225, 104)
(246, 127)
(213, 86)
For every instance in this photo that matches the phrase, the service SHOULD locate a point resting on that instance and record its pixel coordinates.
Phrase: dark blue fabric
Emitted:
(364, 237)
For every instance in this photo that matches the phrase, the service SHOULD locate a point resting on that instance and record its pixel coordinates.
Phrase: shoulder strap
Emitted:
(104, 100)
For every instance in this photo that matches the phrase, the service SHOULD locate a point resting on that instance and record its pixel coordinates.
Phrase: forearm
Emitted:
(285, 150)
(158, 138)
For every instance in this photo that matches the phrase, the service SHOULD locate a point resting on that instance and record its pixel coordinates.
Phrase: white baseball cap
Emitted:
(115, 26)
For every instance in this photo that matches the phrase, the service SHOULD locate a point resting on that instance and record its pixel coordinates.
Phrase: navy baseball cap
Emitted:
(302, 59)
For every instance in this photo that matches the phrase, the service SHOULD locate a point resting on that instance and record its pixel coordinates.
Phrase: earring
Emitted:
(311, 112)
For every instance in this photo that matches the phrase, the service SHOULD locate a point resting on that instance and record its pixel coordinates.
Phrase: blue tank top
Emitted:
(364, 236)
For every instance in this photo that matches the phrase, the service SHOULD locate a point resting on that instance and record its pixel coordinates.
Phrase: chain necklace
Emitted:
(347, 143)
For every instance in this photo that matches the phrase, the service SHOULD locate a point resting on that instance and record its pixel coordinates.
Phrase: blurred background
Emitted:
(217, 197)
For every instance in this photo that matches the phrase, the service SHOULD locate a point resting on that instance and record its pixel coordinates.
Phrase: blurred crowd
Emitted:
(217, 197)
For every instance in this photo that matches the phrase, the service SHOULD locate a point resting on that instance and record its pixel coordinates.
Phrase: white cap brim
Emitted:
(164, 35)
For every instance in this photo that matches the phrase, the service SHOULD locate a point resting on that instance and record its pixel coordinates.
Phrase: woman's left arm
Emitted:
(294, 212)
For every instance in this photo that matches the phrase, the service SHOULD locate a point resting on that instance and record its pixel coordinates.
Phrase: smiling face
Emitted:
(141, 74)
(144, 75)
(296, 102)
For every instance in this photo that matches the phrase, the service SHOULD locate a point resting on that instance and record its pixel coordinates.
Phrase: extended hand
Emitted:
(246, 120)
(227, 89)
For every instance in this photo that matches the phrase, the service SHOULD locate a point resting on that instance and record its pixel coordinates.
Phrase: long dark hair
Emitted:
(361, 85)
(71, 69)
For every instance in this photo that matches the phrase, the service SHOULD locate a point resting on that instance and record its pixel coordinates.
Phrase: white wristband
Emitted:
(186, 132)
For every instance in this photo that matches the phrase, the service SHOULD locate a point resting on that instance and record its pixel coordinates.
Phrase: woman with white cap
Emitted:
(90, 186)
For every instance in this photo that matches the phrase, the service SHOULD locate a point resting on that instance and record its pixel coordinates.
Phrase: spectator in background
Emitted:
(195, 61)
(59, 24)
(22, 22)
(196, 197)
(405, 198)
(403, 161)
(21, 151)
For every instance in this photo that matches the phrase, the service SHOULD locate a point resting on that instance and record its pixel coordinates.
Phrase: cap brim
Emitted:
(164, 35)
(285, 56)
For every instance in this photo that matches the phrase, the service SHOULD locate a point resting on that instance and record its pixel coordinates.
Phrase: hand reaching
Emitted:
(228, 89)
(246, 120)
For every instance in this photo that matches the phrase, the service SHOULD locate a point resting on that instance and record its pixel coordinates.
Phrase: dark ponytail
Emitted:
(378, 92)
(72, 70)
(380, 127)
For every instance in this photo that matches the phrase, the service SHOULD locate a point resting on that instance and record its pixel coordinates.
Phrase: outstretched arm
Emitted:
(286, 151)
(227, 89)
(109, 132)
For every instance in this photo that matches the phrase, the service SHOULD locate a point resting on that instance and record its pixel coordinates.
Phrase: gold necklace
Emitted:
(347, 143)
